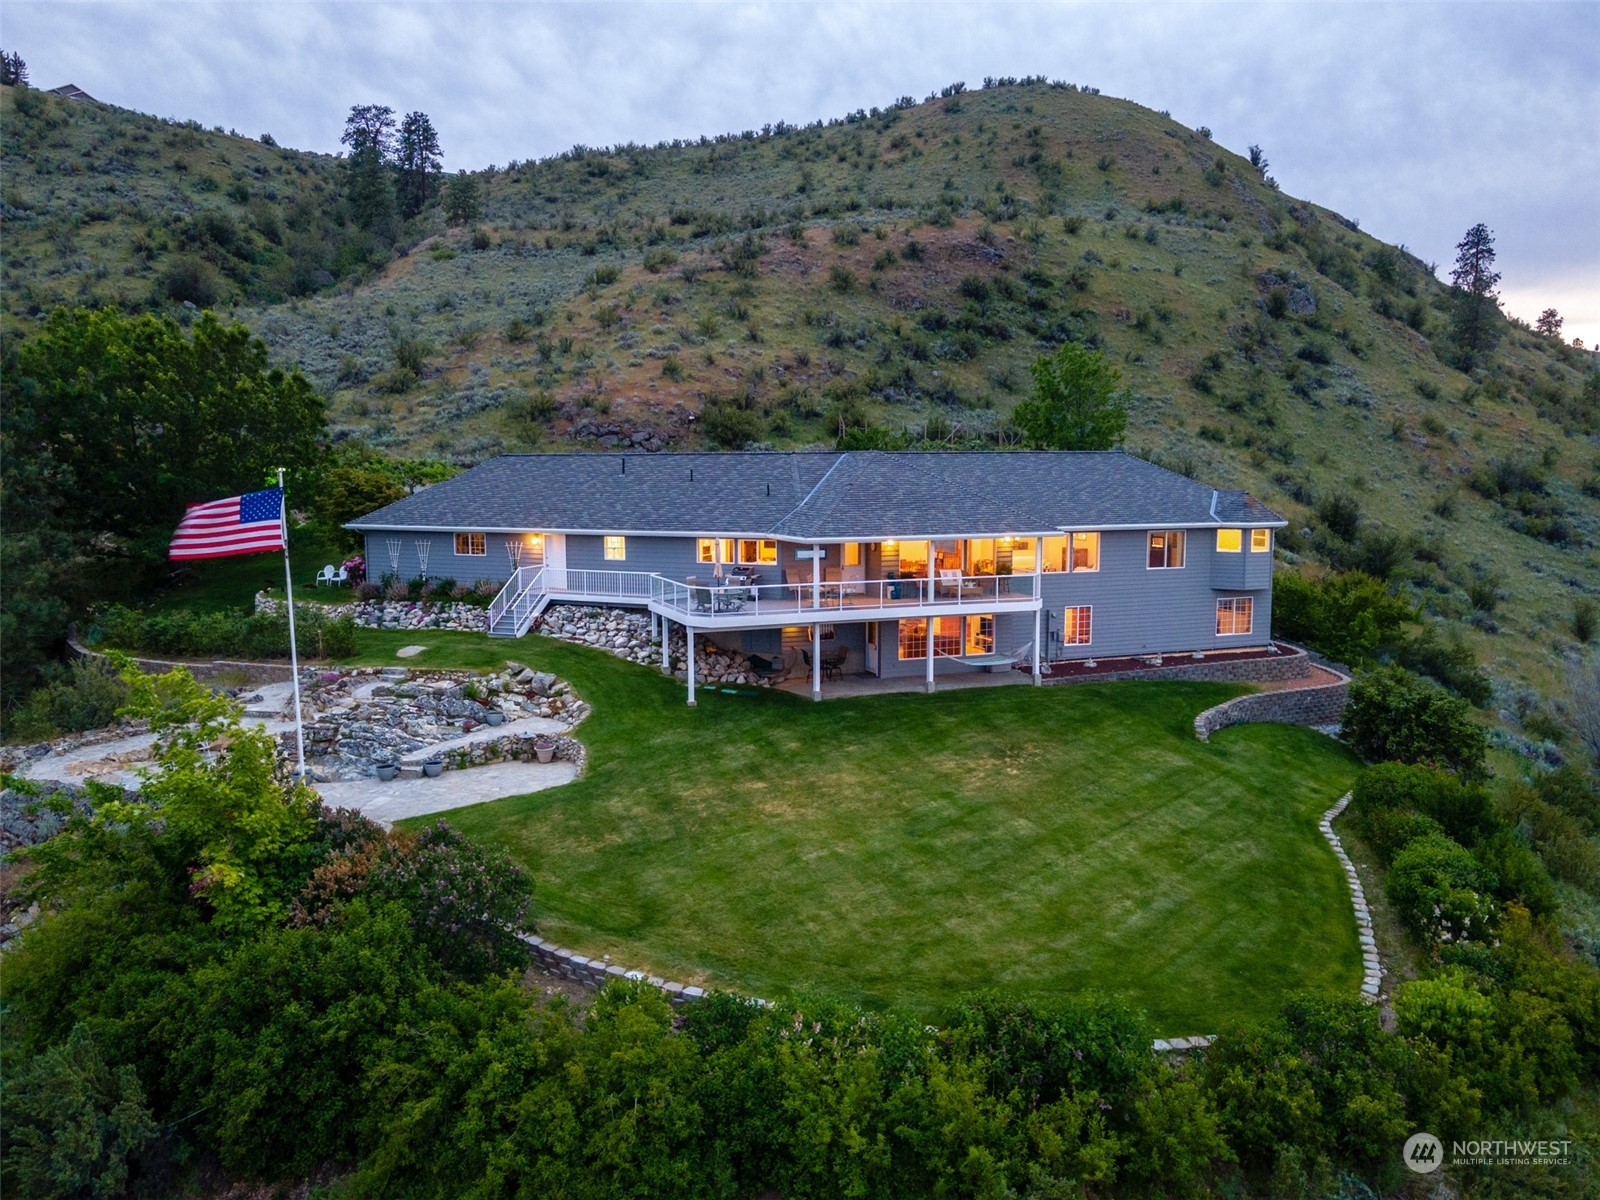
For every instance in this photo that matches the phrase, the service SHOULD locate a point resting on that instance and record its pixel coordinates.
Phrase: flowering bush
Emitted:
(356, 568)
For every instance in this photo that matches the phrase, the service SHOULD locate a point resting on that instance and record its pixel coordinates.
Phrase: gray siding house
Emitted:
(886, 563)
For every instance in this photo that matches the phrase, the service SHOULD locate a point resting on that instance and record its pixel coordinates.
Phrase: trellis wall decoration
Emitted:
(423, 546)
(394, 545)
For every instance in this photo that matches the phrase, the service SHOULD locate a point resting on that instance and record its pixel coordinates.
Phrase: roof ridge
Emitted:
(839, 457)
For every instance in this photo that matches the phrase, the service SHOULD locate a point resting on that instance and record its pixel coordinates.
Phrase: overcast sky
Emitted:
(1419, 120)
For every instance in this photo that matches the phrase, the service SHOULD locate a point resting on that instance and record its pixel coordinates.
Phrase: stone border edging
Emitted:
(1372, 968)
(267, 672)
(1323, 704)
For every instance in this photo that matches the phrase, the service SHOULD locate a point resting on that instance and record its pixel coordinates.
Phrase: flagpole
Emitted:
(294, 652)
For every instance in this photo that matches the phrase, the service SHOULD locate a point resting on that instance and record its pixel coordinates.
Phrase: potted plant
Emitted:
(387, 769)
(494, 717)
(544, 748)
(434, 767)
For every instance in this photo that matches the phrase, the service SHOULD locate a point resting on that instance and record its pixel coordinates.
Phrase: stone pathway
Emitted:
(389, 802)
(522, 727)
(1371, 968)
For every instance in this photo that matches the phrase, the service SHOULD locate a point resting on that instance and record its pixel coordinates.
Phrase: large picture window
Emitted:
(1230, 541)
(1235, 615)
(1086, 552)
(947, 638)
(754, 551)
(712, 550)
(1077, 629)
(1166, 549)
(471, 543)
(616, 548)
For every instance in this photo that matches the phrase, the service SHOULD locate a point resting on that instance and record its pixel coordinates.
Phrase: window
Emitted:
(1055, 553)
(1261, 541)
(946, 637)
(1076, 629)
(753, 550)
(1023, 555)
(980, 634)
(852, 554)
(1166, 549)
(713, 550)
(1230, 541)
(1235, 614)
(616, 548)
(471, 543)
(1086, 552)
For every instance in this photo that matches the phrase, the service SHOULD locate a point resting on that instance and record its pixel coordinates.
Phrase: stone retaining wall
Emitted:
(1321, 705)
(1293, 663)
(205, 672)
(516, 747)
(596, 973)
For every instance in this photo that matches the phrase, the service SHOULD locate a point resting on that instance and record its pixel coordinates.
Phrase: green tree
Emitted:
(369, 132)
(1075, 405)
(109, 426)
(13, 71)
(1549, 324)
(1476, 302)
(461, 203)
(1348, 616)
(417, 159)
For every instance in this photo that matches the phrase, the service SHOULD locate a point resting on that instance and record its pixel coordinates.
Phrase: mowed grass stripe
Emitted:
(905, 849)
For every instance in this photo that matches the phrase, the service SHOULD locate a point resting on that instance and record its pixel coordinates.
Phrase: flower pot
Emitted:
(387, 771)
(495, 718)
(544, 751)
(433, 768)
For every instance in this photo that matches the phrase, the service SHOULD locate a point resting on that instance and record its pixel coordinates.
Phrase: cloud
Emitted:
(1419, 120)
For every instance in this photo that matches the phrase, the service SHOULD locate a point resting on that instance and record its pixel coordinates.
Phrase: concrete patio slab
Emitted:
(397, 799)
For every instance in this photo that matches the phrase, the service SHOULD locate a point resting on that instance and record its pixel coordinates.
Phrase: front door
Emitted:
(872, 647)
(555, 562)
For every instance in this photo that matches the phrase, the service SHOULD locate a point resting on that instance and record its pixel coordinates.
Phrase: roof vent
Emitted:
(691, 474)
(624, 464)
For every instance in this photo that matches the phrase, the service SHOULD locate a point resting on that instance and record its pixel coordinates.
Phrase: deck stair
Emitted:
(513, 612)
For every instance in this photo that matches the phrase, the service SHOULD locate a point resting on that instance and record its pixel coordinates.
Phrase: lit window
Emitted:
(1055, 553)
(1260, 541)
(1230, 541)
(1166, 549)
(705, 549)
(980, 634)
(1076, 629)
(616, 548)
(1086, 552)
(752, 550)
(852, 554)
(947, 637)
(1235, 614)
(471, 543)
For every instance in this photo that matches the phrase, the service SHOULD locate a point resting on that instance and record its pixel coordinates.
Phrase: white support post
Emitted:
(666, 642)
(688, 633)
(1038, 616)
(928, 683)
(816, 660)
(816, 575)
(1038, 670)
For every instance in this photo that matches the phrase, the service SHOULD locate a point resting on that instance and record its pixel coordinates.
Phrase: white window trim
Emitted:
(1089, 608)
(605, 547)
(1234, 600)
(469, 552)
(1267, 549)
(1099, 544)
(1149, 533)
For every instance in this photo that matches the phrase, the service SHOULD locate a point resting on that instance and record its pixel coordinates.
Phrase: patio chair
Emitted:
(342, 579)
(702, 596)
(833, 662)
(325, 576)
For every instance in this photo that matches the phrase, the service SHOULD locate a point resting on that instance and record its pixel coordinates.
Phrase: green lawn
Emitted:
(904, 849)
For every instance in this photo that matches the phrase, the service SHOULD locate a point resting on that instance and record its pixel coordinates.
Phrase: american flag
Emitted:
(246, 524)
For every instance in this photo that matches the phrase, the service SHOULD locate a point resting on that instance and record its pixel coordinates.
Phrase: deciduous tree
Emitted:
(1076, 404)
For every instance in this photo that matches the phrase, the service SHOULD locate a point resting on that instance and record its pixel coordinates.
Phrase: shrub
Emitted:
(228, 634)
(72, 1123)
(1340, 515)
(840, 278)
(1585, 620)
(1442, 892)
(86, 696)
(728, 426)
(1395, 716)
(1348, 616)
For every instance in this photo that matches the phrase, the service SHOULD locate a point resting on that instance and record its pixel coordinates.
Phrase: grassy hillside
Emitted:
(896, 271)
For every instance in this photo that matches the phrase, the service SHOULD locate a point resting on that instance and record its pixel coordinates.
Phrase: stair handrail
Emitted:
(522, 580)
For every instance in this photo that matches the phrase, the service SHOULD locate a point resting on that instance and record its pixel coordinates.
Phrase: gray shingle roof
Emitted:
(866, 494)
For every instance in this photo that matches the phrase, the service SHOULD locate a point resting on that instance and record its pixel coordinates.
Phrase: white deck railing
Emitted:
(522, 589)
(842, 596)
(633, 585)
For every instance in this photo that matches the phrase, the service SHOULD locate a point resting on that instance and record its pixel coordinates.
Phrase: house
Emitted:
(73, 92)
(893, 563)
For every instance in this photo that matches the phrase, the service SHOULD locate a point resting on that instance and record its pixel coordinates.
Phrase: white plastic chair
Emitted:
(325, 576)
(342, 579)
